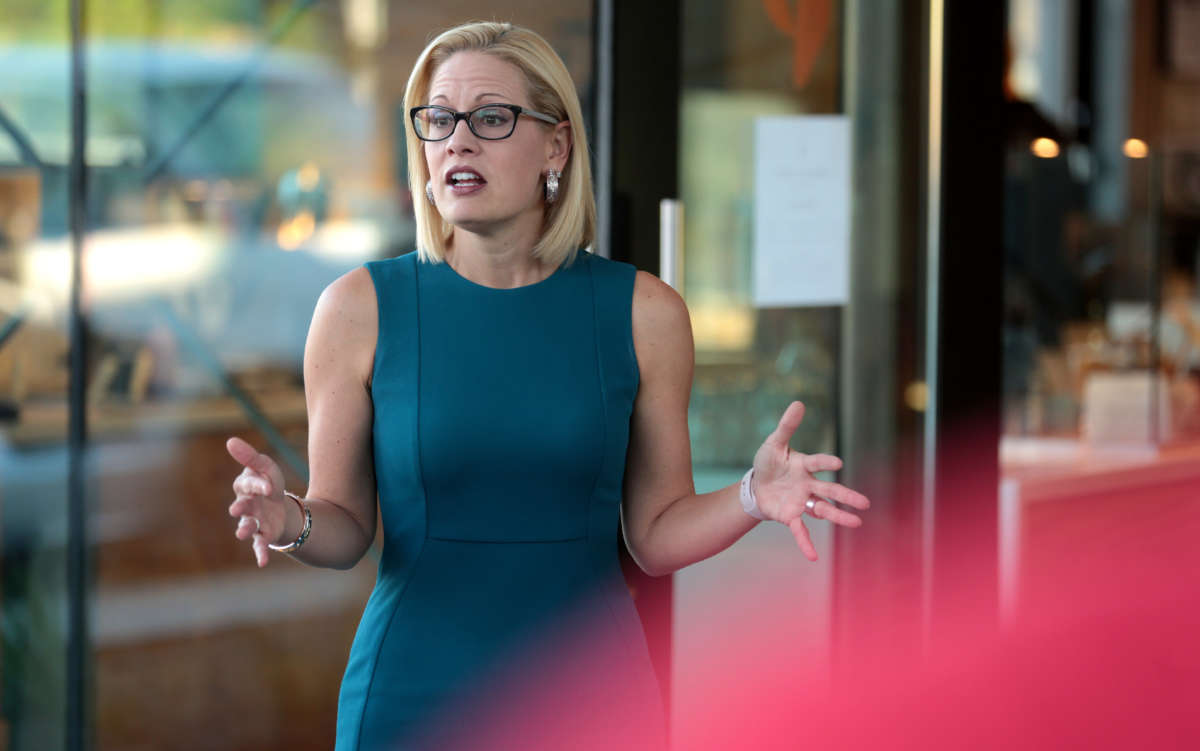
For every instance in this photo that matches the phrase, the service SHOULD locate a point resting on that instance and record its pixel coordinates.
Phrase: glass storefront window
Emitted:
(739, 66)
(240, 156)
(1101, 238)
(1102, 250)
(34, 346)
(806, 68)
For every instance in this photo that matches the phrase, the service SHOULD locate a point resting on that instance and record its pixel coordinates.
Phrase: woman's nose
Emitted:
(462, 139)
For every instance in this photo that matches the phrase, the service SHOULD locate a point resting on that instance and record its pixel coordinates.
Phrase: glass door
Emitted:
(797, 259)
(239, 156)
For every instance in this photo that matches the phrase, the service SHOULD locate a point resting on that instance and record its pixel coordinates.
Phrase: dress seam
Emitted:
(379, 647)
(418, 468)
(605, 594)
(604, 412)
(420, 553)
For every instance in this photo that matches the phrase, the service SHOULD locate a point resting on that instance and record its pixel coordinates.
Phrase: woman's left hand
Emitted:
(783, 482)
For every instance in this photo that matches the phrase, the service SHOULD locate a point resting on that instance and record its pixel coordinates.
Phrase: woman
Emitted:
(508, 395)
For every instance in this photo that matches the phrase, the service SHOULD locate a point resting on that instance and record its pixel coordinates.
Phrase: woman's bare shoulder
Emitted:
(662, 327)
(658, 307)
(349, 302)
(345, 324)
(353, 289)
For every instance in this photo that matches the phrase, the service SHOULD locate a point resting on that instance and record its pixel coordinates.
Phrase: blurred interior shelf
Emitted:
(46, 422)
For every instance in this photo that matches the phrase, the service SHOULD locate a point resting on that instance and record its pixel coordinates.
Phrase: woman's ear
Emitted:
(558, 149)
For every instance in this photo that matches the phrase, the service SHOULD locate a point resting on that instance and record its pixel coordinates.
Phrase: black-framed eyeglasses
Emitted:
(490, 122)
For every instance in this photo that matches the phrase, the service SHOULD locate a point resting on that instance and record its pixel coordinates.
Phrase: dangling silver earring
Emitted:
(552, 185)
(429, 192)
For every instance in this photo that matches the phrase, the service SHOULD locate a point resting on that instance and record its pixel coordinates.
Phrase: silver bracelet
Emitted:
(294, 545)
(749, 502)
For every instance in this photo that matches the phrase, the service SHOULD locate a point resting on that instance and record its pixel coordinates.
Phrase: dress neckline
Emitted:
(507, 290)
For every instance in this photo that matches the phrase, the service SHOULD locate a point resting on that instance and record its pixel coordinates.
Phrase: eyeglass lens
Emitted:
(485, 122)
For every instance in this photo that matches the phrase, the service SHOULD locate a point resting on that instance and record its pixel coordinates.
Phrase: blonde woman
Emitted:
(508, 395)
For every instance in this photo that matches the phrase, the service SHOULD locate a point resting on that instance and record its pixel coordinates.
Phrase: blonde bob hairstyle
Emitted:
(570, 222)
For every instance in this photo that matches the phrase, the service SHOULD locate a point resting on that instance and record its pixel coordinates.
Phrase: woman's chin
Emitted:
(489, 223)
(473, 223)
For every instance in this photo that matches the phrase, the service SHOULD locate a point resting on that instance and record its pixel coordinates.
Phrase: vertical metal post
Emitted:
(602, 113)
(965, 317)
(670, 242)
(1153, 219)
(77, 544)
(933, 253)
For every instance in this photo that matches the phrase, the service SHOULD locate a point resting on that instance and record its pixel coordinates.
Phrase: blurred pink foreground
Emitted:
(1103, 653)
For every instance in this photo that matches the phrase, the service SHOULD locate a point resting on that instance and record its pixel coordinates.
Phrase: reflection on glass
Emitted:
(240, 157)
(1136, 148)
(1044, 148)
(741, 64)
(742, 61)
(33, 397)
(1101, 246)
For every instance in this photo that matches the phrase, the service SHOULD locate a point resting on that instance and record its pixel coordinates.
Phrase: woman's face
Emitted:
(484, 186)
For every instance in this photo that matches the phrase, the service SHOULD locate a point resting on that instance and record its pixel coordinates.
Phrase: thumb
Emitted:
(791, 419)
(248, 456)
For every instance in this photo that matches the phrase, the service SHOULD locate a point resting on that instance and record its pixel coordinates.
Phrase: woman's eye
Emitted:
(493, 117)
(440, 120)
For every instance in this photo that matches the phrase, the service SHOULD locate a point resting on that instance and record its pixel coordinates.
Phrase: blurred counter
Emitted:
(1040, 469)
(1068, 509)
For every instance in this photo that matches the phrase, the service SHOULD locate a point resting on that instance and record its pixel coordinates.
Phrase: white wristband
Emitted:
(749, 502)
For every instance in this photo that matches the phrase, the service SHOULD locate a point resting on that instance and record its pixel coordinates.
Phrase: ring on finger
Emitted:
(257, 523)
(810, 506)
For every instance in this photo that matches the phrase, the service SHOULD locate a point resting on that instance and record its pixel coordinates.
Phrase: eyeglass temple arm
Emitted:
(540, 116)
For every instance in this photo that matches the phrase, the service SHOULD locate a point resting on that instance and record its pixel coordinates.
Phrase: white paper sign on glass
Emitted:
(801, 210)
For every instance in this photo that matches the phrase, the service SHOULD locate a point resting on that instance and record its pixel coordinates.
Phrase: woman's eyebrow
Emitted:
(477, 98)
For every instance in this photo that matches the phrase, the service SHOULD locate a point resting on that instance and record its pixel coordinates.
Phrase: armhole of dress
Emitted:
(633, 361)
(372, 269)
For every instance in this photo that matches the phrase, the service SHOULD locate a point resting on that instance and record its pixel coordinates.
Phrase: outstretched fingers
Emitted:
(840, 493)
(822, 463)
(829, 512)
(246, 509)
(247, 527)
(252, 483)
(249, 457)
(791, 419)
(249, 509)
(800, 532)
(257, 482)
(261, 554)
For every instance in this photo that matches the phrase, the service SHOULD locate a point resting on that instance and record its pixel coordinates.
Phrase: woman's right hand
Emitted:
(260, 503)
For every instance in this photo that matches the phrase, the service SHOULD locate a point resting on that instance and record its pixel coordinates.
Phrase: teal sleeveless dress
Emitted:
(500, 618)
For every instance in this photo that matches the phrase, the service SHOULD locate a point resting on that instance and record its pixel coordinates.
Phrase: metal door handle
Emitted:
(670, 242)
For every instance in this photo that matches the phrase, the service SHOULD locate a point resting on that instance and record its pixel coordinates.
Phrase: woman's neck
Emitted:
(503, 261)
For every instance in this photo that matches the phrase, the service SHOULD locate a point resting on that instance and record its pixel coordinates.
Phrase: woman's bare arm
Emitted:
(667, 525)
(338, 361)
(658, 470)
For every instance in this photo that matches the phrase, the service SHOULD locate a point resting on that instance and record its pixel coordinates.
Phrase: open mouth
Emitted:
(465, 178)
